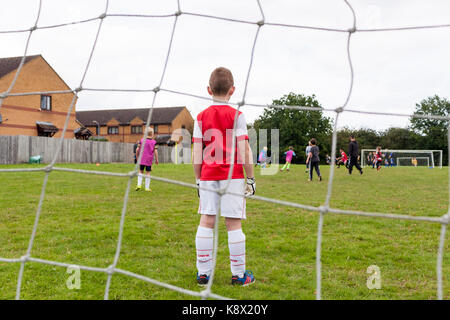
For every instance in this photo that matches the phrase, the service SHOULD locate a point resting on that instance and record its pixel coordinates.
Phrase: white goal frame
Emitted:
(430, 152)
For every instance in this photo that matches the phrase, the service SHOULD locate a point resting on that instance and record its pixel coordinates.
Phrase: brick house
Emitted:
(35, 115)
(127, 125)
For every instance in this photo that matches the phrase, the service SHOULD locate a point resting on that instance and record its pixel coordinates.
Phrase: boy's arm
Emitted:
(309, 157)
(198, 159)
(138, 149)
(248, 160)
(243, 145)
(155, 153)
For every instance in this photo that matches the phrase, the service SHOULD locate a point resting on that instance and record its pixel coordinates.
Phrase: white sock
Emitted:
(139, 180)
(236, 245)
(204, 243)
(147, 182)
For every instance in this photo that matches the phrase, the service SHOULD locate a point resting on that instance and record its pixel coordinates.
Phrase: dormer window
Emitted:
(113, 130)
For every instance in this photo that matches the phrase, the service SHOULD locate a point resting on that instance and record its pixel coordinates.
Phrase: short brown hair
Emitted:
(221, 81)
(313, 141)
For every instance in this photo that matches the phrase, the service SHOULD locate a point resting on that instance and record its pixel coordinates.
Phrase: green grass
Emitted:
(80, 221)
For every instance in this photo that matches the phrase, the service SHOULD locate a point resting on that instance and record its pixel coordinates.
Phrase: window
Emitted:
(46, 102)
(113, 130)
(136, 129)
(155, 128)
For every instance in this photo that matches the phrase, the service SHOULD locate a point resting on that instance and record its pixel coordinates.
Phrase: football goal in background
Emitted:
(430, 158)
(326, 209)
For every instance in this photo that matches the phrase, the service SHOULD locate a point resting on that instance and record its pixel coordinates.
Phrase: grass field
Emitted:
(80, 222)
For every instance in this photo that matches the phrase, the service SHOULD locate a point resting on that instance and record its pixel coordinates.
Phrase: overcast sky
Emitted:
(393, 70)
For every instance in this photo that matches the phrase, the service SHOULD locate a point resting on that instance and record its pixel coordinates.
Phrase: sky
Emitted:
(392, 70)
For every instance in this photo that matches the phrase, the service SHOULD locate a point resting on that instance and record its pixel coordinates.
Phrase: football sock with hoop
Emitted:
(147, 182)
(236, 245)
(139, 183)
(204, 243)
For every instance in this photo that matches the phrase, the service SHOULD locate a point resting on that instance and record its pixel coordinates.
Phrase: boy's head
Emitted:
(352, 137)
(341, 150)
(149, 132)
(291, 148)
(221, 83)
(313, 142)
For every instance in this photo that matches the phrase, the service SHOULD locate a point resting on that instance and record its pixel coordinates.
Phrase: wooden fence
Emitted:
(19, 149)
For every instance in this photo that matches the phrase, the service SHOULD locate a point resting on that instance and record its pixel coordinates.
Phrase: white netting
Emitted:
(322, 210)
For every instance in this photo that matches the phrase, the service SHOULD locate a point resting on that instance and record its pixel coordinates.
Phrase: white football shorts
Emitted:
(231, 206)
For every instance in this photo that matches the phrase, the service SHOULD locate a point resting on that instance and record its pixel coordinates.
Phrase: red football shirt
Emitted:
(214, 128)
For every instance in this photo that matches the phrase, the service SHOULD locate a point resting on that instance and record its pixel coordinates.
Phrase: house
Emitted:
(127, 125)
(39, 114)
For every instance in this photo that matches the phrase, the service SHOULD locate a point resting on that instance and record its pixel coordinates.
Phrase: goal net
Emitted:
(323, 211)
(413, 161)
(397, 158)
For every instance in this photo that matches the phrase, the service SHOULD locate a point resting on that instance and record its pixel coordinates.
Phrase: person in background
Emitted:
(353, 152)
(150, 155)
(135, 146)
(262, 158)
(313, 160)
(308, 148)
(289, 154)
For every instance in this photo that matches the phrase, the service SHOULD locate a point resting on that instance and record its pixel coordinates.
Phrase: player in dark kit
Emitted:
(353, 150)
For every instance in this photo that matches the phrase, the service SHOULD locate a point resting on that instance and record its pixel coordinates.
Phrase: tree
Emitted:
(367, 138)
(400, 138)
(296, 127)
(432, 132)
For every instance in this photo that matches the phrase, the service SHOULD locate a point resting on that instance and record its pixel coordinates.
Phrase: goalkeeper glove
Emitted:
(198, 186)
(251, 187)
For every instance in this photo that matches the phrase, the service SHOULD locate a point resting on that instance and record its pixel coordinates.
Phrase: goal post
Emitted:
(430, 158)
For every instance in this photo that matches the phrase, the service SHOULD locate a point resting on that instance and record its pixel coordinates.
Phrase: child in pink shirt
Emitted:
(150, 153)
(289, 154)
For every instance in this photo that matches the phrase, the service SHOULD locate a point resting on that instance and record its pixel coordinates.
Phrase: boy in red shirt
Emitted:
(213, 132)
(343, 159)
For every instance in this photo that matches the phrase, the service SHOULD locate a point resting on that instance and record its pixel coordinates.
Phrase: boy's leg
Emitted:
(204, 239)
(233, 209)
(310, 171)
(147, 180)
(236, 245)
(350, 166)
(358, 166)
(316, 166)
(139, 181)
(284, 167)
(288, 165)
(204, 243)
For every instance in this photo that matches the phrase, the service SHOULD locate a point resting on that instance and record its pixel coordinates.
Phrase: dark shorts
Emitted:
(147, 168)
